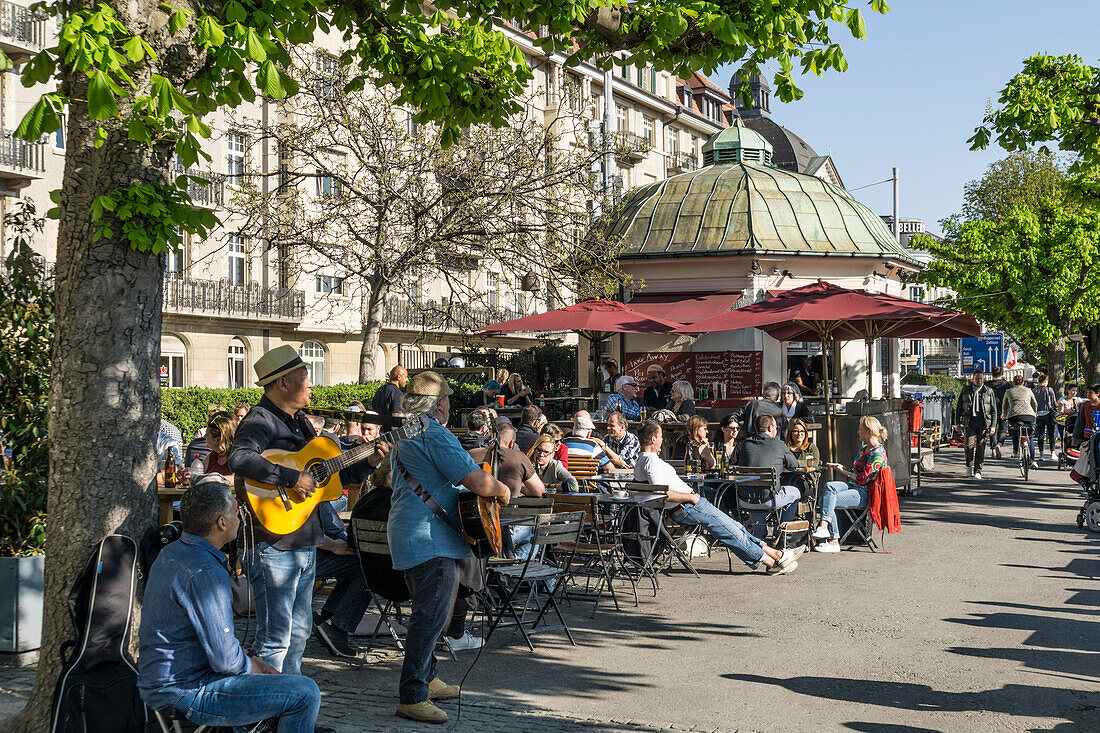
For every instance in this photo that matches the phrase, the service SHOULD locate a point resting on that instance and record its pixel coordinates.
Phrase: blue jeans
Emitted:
(786, 499)
(521, 541)
(723, 528)
(840, 495)
(349, 599)
(434, 587)
(282, 584)
(244, 699)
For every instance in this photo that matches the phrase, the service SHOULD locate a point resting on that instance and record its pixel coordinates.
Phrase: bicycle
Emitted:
(1025, 431)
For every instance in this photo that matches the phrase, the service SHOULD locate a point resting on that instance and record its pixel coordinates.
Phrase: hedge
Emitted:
(941, 382)
(186, 407)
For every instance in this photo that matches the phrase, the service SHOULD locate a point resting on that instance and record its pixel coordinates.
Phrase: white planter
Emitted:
(21, 603)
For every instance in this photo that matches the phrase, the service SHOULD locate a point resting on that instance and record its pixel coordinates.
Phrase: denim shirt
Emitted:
(186, 631)
(437, 460)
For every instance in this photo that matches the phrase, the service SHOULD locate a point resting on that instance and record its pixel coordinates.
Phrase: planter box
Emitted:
(21, 603)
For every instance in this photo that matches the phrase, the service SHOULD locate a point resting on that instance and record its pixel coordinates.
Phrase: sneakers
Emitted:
(335, 640)
(826, 547)
(1034, 464)
(440, 690)
(996, 451)
(1014, 454)
(978, 475)
(466, 641)
(423, 712)
(821, 533)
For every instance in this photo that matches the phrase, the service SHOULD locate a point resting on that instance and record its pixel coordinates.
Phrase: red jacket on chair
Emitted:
(883, 501)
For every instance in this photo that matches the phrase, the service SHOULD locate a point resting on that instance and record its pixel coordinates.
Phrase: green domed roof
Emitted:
(735, 144)
(748, 208)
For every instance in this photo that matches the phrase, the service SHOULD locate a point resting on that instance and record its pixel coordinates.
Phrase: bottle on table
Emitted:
(689, 466)
(170, 471)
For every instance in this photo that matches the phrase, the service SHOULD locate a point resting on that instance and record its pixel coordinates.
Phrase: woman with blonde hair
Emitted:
(220, 429)
(548, 468)
(681, 401)
(696, 440)
(853, 492)
(561, 453)
(515, 392)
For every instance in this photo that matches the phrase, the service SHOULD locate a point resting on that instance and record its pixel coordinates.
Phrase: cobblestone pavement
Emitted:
(983, 617)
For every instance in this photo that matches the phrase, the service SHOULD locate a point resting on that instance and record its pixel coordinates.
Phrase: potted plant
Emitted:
(26, 326)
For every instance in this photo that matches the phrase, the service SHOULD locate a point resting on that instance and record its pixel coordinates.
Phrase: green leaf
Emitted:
(270, 81)
(178, 21)
(254, 47)
(134, 49)
(101, 97)
(210, 33)
(40, 119)
(856, 23)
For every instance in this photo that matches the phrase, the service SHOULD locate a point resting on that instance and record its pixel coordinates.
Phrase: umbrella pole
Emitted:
(870, 369)
(828, 410)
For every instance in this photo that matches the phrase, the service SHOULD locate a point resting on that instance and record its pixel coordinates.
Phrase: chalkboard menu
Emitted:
(722, 374)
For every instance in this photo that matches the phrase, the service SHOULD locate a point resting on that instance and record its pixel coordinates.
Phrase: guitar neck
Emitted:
(363, 451)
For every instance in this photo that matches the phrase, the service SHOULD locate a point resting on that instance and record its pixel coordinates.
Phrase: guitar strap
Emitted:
(428, 499)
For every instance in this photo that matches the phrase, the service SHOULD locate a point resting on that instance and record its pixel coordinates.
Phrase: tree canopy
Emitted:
(1024, 178)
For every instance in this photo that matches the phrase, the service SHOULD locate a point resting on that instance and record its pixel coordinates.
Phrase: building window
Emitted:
(238, 259)
(236, 364)
(914, 348)
(411, 128)
(313, 354)
(172, 353)
(173, 263)
(327, 185)
(621, 119)
(648, 129)
(916, 293)
(329, 285)
(237, 148)
(492, 287)
(673, 140)
(328, 77)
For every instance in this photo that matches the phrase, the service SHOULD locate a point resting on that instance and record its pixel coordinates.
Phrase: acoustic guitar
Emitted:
(322, 458)
(479, 516)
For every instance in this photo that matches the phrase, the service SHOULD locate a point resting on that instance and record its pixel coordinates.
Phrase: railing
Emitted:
(631, 145)
(21, 25)
(433, 316)
(209, 194)
(15, 152)
(221, 297)
(682, 162)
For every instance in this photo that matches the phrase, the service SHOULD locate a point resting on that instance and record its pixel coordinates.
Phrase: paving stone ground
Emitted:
(982, 618)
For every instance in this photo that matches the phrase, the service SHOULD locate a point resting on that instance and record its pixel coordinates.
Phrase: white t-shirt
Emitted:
(651, 469)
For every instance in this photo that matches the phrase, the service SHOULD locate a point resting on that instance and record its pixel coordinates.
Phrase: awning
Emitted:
(684, 307)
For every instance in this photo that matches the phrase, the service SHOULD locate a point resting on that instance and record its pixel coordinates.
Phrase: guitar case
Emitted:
(97, 690)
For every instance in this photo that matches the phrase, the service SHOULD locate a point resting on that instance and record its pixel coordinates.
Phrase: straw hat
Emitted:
(429, 384)
(278, 362)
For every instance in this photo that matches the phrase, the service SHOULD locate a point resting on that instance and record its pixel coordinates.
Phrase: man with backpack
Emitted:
(976, 418)
(999, 385)
(190, 658)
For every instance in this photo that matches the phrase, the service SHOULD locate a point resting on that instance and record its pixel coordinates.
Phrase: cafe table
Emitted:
(165, 499)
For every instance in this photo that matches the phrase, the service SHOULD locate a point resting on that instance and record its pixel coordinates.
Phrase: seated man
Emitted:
(477, 430)
(189, 658)
(621, 446)
(690, 508)
(767, 405)
(515, 471)
(528, 431)
(580, 442)
(345, 606)
(625, 400)
(763, 449)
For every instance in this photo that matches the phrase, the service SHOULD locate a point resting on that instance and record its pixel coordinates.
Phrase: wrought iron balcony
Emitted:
(404, 314)
(208, 195)
(223, 299)
(22, 32)
(681, 162)
(630, 147)
(20, 161)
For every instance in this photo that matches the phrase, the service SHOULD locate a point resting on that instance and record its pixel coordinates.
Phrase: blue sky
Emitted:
(918, 86)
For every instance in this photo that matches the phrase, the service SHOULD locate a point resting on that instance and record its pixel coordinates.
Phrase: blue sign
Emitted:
(983, 353)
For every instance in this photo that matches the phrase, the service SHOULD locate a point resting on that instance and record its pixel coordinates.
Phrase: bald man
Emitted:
(387, 400)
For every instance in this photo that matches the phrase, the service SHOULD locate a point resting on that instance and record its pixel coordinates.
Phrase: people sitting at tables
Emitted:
(528, 427)
(581, 441)
(514, 470)
(805, 378)
(681, 399)
(696, 441)
(768, 404)
(790, 399)
(516, 393)
(549, 469)
(620, 446)
(763, 449)
(798, 440)
(561, 452)
(853, 492)
(220, 429)
(731, 438)
(190, 658)
(478, 429)
(387, 400)
(658, 389)
(1085, 424)
(487, 396)
(691, 509)
(1019, 407)
(625, 400)
(346, 604)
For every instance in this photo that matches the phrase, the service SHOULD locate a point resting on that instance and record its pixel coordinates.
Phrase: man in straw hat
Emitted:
(281, 567)
(436, 559)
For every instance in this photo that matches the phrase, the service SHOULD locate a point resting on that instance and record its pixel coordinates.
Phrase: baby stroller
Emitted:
(1068, 453)
(1087, 473)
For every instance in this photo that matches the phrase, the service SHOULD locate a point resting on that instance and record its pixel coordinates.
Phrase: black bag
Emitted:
(97, 690)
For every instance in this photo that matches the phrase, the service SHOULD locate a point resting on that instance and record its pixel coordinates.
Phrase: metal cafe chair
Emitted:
(596, 557)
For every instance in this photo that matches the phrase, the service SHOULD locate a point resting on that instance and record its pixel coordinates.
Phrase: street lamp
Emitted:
(1077, 338)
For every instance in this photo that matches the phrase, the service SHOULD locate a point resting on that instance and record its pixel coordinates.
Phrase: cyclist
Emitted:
(1019, 407)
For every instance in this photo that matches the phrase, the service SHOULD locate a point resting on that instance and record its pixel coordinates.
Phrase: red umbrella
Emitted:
(825, 312)
(596, 320)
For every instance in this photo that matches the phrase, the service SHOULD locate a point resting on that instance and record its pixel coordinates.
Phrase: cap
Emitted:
(627, 380)
(655, 368)
(429, 384)
(584, 423)
(492, 384)
(278, 362)
(352, 408)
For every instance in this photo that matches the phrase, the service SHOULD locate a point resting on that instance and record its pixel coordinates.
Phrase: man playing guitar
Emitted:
(435, 558)
(281, 567)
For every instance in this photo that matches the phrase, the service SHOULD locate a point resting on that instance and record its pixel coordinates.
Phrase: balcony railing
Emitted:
(21, 28)
(19, 156)
(682, 162)
(630, 146)
(188, 296)
(208, 195)
(434, 316)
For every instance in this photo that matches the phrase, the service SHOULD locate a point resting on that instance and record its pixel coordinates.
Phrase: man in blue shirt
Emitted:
(432, 554)
(625, 400)
(190, 658)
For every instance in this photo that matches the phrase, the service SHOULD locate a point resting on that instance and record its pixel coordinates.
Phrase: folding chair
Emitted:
(521, 507)
(860, 525)
(583, 466)
(371, 539)
(758, 494)
(172, 720)
(595, 556)
(538, 576)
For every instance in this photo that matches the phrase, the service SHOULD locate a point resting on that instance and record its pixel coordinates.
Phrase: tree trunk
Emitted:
(104, 396)
(1090, 374)
(1055, 356)
(373, 314)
